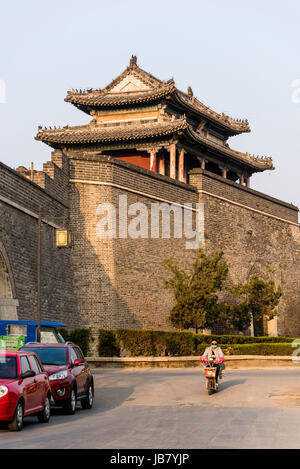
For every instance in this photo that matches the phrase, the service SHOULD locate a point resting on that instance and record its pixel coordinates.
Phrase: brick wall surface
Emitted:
(118, 282)
(20, 200)
(254, 242)
(123, 278)
(212, 183)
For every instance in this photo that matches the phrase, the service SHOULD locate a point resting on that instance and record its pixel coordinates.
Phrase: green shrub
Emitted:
(277, 349)
(107, 345)
(137, 342)
(180, 344)
(64, 333)
(160, 345)
(81, 337)
(240, 339)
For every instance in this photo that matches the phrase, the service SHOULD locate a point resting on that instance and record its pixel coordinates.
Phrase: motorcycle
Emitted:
(210, 372)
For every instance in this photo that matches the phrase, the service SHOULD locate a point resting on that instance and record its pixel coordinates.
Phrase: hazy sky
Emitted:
(241, 58)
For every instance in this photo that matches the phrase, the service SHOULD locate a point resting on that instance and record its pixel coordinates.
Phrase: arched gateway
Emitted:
(8, 303)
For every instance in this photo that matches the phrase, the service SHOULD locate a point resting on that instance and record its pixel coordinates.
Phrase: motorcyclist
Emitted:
(215, 352)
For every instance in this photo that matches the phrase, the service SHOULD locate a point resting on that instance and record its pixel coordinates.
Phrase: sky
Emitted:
(240, 58)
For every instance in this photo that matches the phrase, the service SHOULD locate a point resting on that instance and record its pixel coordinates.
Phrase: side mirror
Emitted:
(78, 361)
(28, 374)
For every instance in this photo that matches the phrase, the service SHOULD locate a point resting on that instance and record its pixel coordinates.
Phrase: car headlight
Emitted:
(3, 391)
(58, 375)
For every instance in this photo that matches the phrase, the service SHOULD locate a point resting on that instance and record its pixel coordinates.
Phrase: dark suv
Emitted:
(70, 377)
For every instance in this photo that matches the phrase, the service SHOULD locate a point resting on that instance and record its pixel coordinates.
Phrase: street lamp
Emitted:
(62, 239)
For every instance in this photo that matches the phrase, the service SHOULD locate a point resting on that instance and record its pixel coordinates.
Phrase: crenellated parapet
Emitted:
(54, 177)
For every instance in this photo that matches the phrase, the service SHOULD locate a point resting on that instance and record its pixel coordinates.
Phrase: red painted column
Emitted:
(181, 173)
(153, 166)
(203, 163)
(173, 161)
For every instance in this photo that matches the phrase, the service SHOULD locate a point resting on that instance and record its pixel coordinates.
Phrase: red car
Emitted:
(24, 389)
(69, 374)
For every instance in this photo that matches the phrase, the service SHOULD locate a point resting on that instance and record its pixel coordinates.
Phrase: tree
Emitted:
(196, 293)
(259, 300)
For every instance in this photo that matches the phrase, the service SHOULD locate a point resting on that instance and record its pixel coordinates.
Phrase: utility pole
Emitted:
(38, 334)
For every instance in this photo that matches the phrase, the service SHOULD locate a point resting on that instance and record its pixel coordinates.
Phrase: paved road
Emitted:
(169, 408)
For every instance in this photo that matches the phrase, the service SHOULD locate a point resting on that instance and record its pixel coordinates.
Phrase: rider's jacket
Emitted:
(213, 353)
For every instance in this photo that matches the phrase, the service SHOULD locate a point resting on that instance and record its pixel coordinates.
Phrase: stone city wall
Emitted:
(256, 232)
(20, 199)
(119, 281)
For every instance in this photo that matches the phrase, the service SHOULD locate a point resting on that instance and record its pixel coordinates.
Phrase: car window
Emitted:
(16, 329)
(79, 353)
(34, 364)
(39, 365)
(48, 336)
(50, 355)
(73, 355)
(24, 365)
(8, 367)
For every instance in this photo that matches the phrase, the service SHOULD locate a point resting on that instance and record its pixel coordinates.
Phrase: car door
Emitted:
(85, 372)
(41, 380)
(77, 371)
(30, 390)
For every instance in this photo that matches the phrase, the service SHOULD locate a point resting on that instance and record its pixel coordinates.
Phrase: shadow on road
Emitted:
(111, 397)
(106, 399)
(230, 383)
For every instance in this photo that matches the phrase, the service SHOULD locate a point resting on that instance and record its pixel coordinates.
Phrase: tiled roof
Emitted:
(98, 133)
(260, 163)
(239, 126)
(155, 89)
(142, 130)
(100, 98)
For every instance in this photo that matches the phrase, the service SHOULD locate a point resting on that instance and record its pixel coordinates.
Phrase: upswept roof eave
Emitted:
(259, 164)
(234, 126)
(97, 98)
(94, 134)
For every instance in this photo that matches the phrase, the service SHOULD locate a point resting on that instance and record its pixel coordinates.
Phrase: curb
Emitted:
(232, 362)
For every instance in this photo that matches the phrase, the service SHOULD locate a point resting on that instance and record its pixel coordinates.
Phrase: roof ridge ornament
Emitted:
(133, 61)
(190, 91)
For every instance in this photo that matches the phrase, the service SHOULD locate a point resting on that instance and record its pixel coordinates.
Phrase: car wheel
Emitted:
(87, 402)
(44, 416)
(17, 424)
(70, 405)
